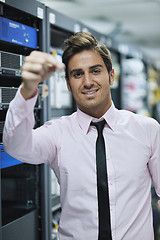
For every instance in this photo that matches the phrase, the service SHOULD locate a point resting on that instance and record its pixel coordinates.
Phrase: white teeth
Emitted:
(90, 92)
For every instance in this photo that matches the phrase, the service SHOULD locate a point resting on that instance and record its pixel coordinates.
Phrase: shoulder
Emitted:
(61, 122)
(137, 120)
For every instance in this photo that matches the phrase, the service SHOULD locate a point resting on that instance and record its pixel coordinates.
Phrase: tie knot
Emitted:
(99, 125)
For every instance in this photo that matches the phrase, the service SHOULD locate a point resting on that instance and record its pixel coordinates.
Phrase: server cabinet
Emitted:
(0, 210)
(24, 188)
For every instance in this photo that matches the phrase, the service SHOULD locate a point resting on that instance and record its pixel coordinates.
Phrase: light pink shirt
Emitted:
(68, 146)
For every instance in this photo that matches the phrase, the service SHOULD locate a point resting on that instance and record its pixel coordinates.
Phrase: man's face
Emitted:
(89, 82)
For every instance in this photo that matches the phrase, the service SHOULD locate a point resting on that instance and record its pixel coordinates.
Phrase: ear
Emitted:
(68, 84)
(111, 74)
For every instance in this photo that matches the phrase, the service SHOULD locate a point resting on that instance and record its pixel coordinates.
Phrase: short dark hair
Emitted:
(85, 41)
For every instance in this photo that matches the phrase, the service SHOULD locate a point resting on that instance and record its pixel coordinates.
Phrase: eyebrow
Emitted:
(79, 69)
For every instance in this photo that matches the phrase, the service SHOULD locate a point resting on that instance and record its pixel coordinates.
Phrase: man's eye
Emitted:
(96, 71)
(77, 75)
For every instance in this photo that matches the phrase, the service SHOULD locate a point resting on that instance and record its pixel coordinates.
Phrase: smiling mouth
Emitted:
(90, 92)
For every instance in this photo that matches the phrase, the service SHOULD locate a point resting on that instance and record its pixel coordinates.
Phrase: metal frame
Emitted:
(0, 205)
(24, 228)
(36, 9)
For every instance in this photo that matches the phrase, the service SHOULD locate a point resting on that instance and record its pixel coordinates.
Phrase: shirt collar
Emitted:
(84, 119)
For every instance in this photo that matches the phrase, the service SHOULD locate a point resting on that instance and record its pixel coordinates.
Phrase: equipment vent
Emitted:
(8, 94)
(1, 126)
(10, 60)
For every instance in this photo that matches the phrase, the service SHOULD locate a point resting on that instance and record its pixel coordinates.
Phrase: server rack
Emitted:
(24, 206)
(0, 212)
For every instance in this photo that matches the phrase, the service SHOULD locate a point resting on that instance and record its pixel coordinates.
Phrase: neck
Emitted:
(96, 113)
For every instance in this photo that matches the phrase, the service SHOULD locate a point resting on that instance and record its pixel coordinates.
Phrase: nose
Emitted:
(87, 81)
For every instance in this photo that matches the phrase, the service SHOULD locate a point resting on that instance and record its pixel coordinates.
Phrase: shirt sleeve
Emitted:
(154, 162)
(20, 139)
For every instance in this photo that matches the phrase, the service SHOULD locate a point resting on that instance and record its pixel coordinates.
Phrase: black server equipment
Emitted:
(24, 188)
(11, 64)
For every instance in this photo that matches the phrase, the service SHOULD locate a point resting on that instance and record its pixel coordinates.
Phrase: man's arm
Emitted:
(19, 138)
(154, 162)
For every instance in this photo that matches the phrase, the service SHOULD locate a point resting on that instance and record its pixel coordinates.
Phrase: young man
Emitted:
(68, 144)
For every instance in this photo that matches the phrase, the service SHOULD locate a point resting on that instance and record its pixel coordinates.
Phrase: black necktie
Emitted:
(102, 185)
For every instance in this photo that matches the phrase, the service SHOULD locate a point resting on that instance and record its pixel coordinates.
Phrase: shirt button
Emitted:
(110, 183)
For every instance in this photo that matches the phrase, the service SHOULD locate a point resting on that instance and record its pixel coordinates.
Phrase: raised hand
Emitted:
(37, 67)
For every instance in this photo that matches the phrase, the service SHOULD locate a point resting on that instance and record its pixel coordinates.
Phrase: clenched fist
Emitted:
(37, 68)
